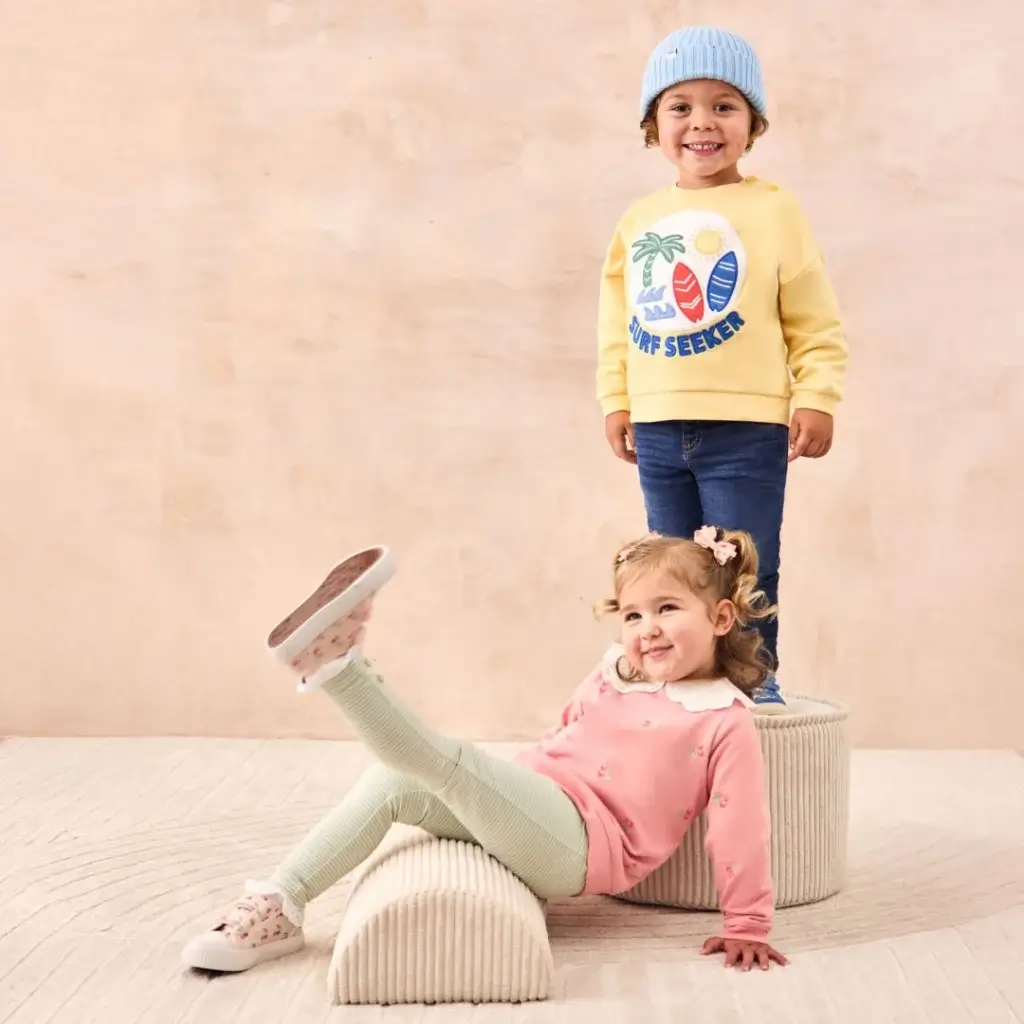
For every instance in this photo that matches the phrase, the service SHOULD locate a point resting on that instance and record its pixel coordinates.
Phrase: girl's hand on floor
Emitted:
(743, 954)
(618, 429)
(810, 434)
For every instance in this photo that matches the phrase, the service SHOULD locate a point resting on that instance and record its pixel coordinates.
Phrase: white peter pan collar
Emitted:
(705, 695)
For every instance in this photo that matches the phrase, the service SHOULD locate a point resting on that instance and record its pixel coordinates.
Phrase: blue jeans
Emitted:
(719, 473)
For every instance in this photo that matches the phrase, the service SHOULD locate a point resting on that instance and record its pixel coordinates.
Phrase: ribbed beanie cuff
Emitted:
(692, 53)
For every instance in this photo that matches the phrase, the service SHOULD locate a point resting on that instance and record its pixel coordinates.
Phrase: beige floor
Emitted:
(113, 852)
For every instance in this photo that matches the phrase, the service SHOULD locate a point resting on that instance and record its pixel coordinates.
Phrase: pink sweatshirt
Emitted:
(641, 761)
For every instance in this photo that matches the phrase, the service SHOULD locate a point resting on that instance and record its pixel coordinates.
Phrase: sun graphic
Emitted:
(708, 242)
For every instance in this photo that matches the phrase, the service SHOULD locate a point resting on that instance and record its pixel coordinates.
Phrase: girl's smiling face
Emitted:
(704, 129)
(670, 633)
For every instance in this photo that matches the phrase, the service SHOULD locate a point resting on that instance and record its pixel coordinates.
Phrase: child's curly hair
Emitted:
(649, 125)
(739, 654)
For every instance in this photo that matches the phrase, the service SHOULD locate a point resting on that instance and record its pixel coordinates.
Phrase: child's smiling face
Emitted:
(704, 129)
(670, 633)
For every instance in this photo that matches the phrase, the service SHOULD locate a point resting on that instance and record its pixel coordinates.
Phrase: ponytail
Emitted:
(741, 655)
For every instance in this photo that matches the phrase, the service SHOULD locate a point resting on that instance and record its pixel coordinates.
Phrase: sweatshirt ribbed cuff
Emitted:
(616, 403)
(816, 400)
(746, 935)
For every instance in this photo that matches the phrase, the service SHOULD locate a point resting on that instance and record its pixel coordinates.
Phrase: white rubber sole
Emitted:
(206, 955)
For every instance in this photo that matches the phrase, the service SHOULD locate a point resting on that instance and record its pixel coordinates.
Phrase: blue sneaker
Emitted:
(769, 698)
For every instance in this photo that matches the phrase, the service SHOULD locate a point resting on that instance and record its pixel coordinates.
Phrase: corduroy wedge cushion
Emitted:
(439, 921)
(807, 770)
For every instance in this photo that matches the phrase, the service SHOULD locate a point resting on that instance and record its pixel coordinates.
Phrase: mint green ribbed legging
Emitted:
(447, 787)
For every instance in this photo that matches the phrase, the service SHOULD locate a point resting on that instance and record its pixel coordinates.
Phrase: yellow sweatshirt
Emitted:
(715, 305)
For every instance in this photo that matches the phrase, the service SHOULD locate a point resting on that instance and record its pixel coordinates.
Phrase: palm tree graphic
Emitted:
(651, 246)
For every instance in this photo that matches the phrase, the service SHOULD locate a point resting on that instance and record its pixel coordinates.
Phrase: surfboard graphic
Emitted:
(722, 282)
(688, 295)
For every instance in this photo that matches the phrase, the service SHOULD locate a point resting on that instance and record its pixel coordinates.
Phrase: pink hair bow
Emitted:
(723, 550)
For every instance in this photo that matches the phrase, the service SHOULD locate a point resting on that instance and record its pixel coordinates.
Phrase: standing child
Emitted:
(721, 356)
(665, 712)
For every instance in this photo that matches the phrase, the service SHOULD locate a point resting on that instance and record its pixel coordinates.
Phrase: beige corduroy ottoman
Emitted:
(439, 921)
(807, 768)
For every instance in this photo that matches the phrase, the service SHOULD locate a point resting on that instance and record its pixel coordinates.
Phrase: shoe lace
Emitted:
(247, 911)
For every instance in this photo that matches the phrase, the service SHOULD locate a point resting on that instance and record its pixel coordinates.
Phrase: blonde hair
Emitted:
(739, 654)
(649, 124)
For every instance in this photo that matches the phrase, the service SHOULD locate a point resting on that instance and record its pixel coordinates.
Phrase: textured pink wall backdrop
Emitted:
(282, 279)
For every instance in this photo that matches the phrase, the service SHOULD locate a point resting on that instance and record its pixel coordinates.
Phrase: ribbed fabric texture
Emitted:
(523, 818)
(398, 738)
(807, 772)
(439, 921)
(350, 833)
(691, 53)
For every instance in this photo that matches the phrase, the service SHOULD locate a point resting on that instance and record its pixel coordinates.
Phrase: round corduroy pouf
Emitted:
(807, 772)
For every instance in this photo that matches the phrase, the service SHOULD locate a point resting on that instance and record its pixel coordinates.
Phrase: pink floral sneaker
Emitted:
(252, 932)
(319, 637)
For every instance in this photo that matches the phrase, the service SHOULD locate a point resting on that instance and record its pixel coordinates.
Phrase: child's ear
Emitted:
(724, 617)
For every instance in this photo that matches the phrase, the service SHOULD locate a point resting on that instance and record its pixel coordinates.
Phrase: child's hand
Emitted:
(618, 428)
(810, 434)
(743, 954)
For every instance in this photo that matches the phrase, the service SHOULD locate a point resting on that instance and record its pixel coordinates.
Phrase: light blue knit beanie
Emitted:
(691, 53)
